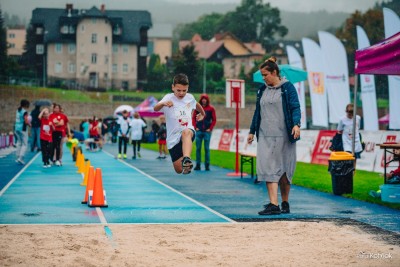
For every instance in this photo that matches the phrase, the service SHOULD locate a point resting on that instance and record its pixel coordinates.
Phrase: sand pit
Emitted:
(273, 243)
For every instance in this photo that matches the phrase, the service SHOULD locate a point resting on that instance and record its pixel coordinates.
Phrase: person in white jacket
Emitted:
(137, 125)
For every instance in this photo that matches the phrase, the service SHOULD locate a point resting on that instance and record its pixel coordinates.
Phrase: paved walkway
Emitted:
(147, 190)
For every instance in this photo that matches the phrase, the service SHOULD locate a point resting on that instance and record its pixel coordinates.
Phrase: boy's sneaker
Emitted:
(187, 165)
(285, 207)
(197, 168)
(119, 156)
(125, 156)
(133, 157)
(58, 163)
(270, 209)
(159, 157)
(45, 166)
(20, 161)
(207, 167)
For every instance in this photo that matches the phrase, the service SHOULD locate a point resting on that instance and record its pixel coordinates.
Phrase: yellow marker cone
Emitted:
(86, 173)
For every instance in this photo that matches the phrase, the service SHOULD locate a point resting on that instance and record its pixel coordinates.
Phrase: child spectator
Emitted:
(46, 131)
(137, 126)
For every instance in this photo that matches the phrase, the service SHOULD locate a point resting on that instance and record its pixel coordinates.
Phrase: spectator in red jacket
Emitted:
(203, 131)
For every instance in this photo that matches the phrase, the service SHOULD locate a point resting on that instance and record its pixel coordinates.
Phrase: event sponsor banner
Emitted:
(226, 140)
(368, 156)
(336, 75)
(305, 146)
(315, 69)
(243, 133)
(295, 60)
(321, 150)
(392, 26)
(215, 137)
(387, 137)
(368, 92)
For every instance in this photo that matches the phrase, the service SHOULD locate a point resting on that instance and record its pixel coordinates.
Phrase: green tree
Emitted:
(372, 22)
(186, 61)
(157, 74)
(254, 21)
(3, 49)
(205, 26)
(31, 61)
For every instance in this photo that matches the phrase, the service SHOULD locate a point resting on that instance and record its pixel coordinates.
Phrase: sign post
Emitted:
(234, 99)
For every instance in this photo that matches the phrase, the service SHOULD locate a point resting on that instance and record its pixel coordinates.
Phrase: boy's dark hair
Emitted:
(24, 103)
(181, 79)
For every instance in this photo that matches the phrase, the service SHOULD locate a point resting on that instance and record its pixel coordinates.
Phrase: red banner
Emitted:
(226, 139)
(321, 150)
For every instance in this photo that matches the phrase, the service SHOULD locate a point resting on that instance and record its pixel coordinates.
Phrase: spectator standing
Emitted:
(46, 130)
(59, 121)
(137, 126)
(203, 131)
(162, 138)
(21, 130)
(123, 133)
(276, 124)
(35, 128)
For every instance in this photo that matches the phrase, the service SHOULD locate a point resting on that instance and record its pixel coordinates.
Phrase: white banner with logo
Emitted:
(315, 69)
(392, 26)
(336, 75)
(295, 61)
(368, 92)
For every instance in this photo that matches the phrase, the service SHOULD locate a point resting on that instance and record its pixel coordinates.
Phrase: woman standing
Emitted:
(276, 123)
(137, 126)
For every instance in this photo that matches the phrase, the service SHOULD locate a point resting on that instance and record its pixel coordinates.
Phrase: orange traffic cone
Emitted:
(97, 196)
(78, 156)
(86, 173)
(81, 164)
(90, 184)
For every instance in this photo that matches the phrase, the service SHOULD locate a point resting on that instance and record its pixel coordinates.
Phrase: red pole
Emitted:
(237, 135)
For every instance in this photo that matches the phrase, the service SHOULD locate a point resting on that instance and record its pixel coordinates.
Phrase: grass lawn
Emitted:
(308, 175)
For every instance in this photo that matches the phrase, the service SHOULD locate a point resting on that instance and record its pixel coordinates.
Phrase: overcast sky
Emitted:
(24, 8)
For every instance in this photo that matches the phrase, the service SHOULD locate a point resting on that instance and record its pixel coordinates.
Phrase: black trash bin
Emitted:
(341, 167)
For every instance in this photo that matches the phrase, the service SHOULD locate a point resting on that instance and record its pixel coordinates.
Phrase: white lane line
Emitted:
(101, 215)
(173, 189)
(18, 174)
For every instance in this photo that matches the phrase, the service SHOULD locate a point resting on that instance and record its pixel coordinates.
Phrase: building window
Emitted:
(94, 38)
(12, 45)
(105, 76)
(125, 68)
(11, 35)
(125, 49)
(106, 39)
(71, 67)
(150, 47)
(39, 49)
(58, 48)
(105, 59)
(94, 58)
(64, 29)
(143, 51)
(114, 68)
(117, 30)
(71, 48)
(115, 48)
(39, 30)
(94, 20)
(82, 28)
(58, 67)
(71, 29)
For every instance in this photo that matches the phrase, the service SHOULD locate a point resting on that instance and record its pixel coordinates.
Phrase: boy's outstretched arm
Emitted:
(160, 105)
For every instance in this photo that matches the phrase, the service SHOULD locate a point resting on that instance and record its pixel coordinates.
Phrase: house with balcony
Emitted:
(227, 50)
(92, 48)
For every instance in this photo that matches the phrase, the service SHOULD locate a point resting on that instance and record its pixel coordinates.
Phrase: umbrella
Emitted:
(118, 110)
(293, 74)
(43, 102)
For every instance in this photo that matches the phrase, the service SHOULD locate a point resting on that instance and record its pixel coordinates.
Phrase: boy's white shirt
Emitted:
(137, 126)
(178, 117)
(346, 125)
(123, 124)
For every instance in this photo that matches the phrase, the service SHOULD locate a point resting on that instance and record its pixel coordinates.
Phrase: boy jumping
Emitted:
(178, 107)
